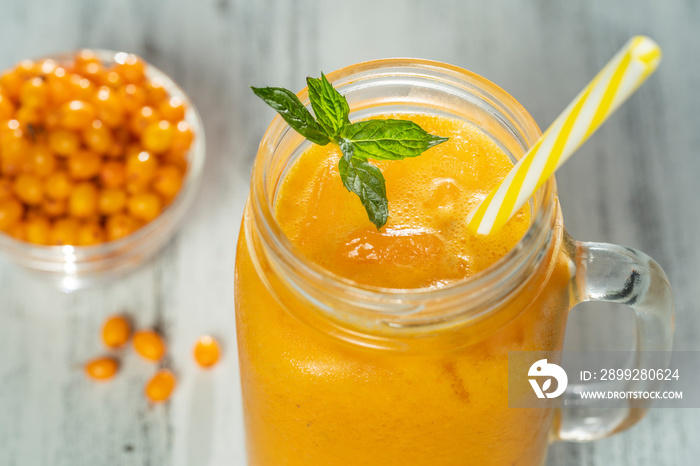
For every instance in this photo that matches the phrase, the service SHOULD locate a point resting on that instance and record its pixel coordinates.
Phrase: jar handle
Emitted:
(616, 274)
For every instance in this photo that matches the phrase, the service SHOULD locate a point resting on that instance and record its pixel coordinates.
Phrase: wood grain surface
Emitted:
(635, 183)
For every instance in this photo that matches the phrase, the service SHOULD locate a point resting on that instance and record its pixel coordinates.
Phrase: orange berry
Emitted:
(102, 368)
(82, 202)
(34, 93)
(26, 69)
(7, 108)
(157, 136)
(113, 174)
(60, 87)
(98, 137)
(172, 109)
(145, 206)
(132, 97)
(155, 92)
(18, 231)
(116, 331)
(37, 230)
(82, 88)
(83, 58)
(58, 185)
(161, 386)
(149, 345)
(43, 161)
(84, 165)
(112, 201)
(14, 148)
(11, 211)
(76, 114)
(29, 116)
(6, 189)
(29, 189)
(206, 351)
(54, 208)
(140, 168)
(130, 67)
(64, 142)
(112, 79)
(64, 231)
(167, 180)
(45, 67)
(11, 83)
(182, 138)
(90, 233)
(120, 225)
(142, 118)
(110, 107)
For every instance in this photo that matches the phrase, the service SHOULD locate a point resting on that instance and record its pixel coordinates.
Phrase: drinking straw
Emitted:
(623, 74)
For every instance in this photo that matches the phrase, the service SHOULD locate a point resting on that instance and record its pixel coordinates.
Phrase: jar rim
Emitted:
(397, 301)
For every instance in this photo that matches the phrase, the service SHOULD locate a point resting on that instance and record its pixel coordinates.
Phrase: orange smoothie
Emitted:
(311, 399)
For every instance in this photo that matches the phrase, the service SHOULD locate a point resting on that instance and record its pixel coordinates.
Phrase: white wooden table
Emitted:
(635, 183)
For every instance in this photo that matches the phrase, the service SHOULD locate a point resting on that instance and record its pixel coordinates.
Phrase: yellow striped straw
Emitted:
(627, 70)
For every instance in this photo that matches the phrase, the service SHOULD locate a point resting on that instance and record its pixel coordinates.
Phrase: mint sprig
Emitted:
(359, 142)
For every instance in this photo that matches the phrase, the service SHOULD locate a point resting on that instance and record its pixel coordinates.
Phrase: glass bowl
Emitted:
(70, 268)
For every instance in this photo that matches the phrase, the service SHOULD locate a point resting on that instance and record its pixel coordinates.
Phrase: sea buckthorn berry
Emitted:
(167, 180)
(155, 92)
(113, 174)
(98, 137)
(207, 351)
(84, 165)
(145, 206)
(120, 225)
(112, 201)
(60, 87)
(161, 386)
(43, 161)
(53, 208)
(182, 138)
(34, 93)
(82, 202)
(157, 136)
(14, 148)
(116, 331)
(76, 114)
(26, 69)
(84, 58)
(11, 84)
(142, 118)
(29, 116)
(90, 233)
(110, 107)
(64, 231)
(18, 231)
(102, 368)
(7, 108)
(64, 142)
(11, 211)
(7, 189)
(149, 345)
(45, 67)
(112, 79)
(140, 168)
(29, 189)
(130, 67)
(82, 87)
(37, 230)
(58, 185)
(172, 109)
(132, 97)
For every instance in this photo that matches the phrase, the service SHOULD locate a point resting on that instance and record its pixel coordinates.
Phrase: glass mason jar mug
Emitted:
(335, 372)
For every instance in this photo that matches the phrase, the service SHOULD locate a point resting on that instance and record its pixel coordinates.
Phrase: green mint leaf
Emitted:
(388, 139)
(364, 179)
(294, 113)
(330, 107)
